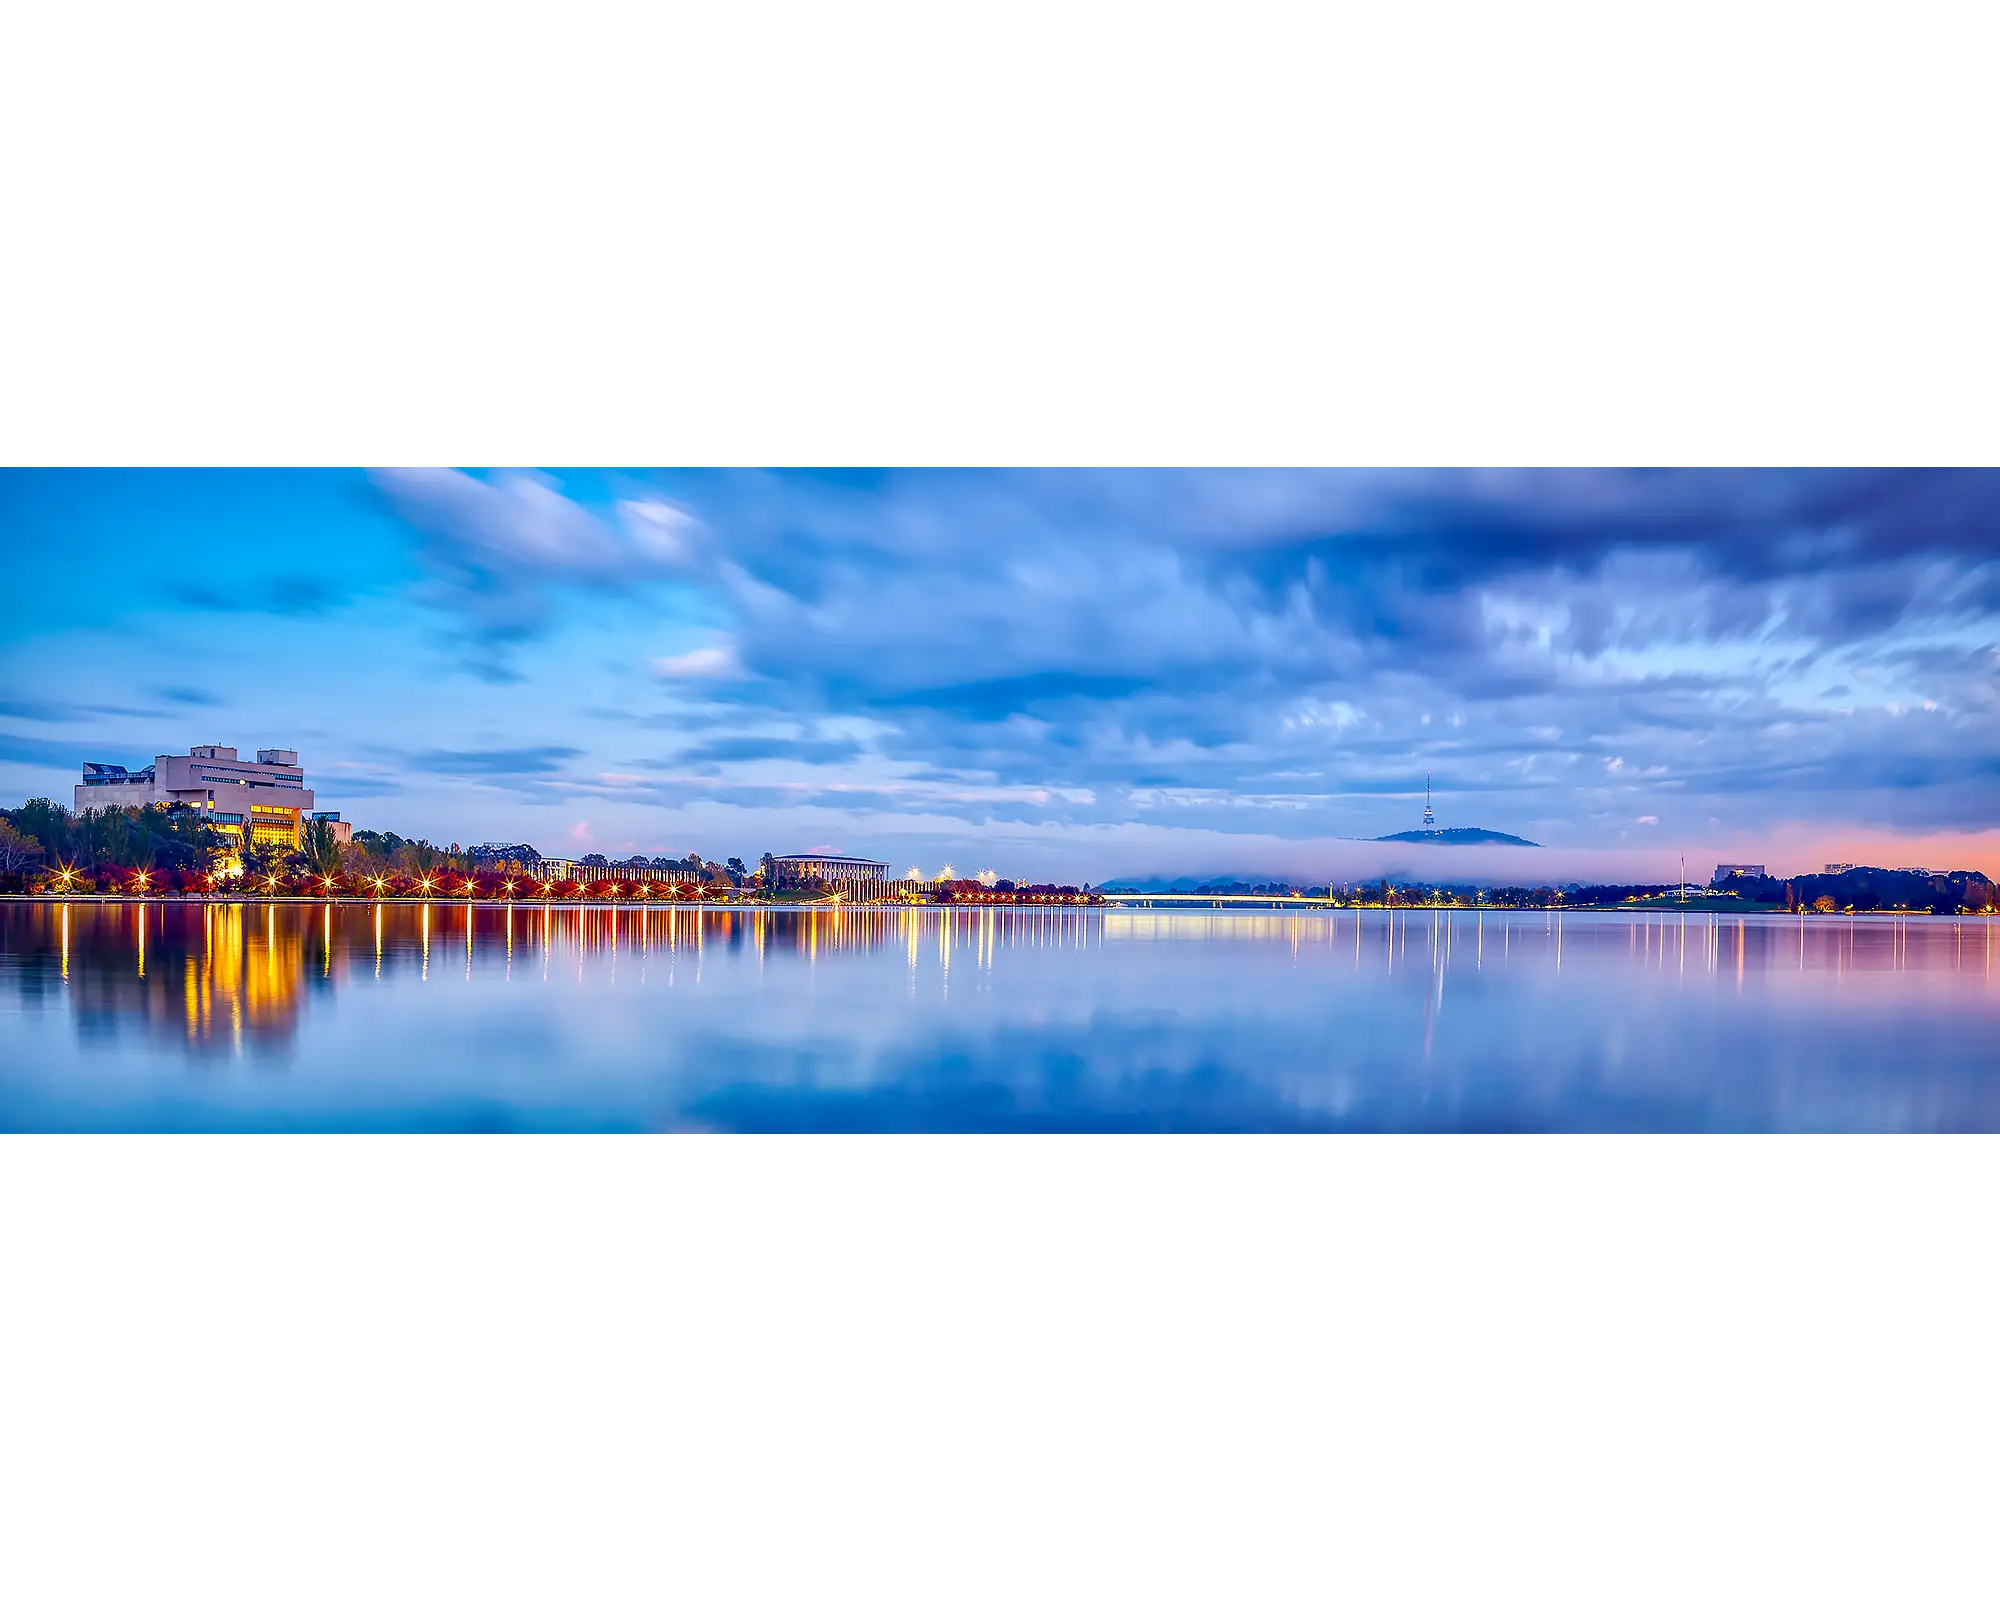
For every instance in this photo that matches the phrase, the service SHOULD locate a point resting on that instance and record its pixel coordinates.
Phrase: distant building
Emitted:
(846, 873)
(343, 832)
(1835, 868)
(1735, 869)
(263, 801)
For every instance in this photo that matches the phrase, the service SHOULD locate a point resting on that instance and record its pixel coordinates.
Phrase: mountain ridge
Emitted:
(1456, 836)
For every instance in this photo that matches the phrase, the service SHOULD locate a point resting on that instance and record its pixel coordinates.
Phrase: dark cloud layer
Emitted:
(1290, 651)
(500, 763)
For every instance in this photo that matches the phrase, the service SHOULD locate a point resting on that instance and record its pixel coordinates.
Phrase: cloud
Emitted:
(710, 661)
(285, 595)
(496, 546)
(59, 711)
(506, 763)
(819, 752)
(1291, 651)
(355, 787)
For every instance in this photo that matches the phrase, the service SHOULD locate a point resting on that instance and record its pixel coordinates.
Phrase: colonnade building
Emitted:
(850, 874)
(554, 869)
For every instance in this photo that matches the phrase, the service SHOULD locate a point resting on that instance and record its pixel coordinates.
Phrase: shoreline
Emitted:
(1206, 904)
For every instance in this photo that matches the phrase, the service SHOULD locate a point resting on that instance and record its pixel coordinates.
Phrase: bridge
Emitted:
(1137, 900)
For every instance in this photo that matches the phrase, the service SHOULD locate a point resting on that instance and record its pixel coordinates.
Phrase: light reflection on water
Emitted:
(456, 1016)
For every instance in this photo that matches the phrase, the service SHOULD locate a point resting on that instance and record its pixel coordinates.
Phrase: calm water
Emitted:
(457, 1017)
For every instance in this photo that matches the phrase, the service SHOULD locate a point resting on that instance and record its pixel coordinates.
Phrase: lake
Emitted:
(459, 1017)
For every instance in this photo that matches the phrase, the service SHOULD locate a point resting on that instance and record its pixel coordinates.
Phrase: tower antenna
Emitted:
(1430, 822)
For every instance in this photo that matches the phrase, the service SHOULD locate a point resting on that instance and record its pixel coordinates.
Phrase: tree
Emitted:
(18, 852)
(261, 857)
(46, 823)
(181, 837)
(318, 850)
(418, 857)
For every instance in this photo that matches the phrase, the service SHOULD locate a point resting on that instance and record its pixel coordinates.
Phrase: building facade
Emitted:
(556, 870)
(1725, 870)
(845, 874)
(265, 801)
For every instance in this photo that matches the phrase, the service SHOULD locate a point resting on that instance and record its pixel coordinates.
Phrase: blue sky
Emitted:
(1061, 673)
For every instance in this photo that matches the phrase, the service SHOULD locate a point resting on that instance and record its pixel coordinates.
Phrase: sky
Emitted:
(1054, 674)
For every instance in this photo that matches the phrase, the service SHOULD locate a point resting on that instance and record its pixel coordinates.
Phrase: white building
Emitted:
(556, 870)
(265, 800)
(850, 874)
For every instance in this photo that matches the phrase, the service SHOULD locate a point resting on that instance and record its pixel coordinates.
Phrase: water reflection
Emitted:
(516, 1016)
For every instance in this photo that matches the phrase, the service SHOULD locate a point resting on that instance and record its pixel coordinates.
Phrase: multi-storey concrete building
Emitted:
(262, 801)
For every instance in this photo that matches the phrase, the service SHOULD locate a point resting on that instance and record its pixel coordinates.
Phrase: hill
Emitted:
(1456, 836)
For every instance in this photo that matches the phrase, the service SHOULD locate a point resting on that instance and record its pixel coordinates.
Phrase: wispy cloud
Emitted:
(709, 661)
(496, 546)
(502, 763)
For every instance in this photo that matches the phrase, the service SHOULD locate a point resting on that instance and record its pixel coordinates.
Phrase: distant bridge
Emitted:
(1141, 900)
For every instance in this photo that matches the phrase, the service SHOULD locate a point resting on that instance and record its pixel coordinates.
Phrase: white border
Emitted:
(1076, 234)
(894, 1367)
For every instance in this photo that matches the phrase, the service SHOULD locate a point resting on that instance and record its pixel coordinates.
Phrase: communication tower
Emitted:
(1430, 822)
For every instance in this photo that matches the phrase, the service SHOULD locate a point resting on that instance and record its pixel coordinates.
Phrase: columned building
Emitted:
(555, 870)
(847, 874)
